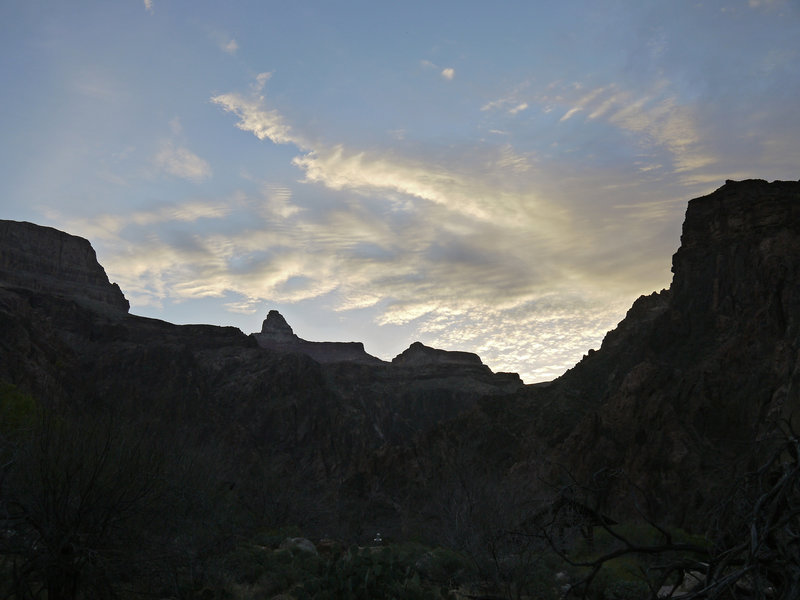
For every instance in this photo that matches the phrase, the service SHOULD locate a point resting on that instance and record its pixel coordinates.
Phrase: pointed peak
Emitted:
(275, 323)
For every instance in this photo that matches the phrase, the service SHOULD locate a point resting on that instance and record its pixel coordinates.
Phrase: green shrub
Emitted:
(18, 411)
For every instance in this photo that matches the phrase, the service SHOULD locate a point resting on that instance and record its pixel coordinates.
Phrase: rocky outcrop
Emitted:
(45, 259)
(693, 376)
(669, 405)
(419, 355)
(275, 330)
(673, 404)
(276, 334)
(309, 413)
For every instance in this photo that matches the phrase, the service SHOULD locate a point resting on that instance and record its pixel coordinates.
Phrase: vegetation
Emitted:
(107, 505)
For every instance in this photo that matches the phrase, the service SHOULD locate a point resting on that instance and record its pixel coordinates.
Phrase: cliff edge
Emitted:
(47, 260)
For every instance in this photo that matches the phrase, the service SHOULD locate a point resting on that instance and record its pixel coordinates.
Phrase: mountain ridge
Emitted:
(691, 376)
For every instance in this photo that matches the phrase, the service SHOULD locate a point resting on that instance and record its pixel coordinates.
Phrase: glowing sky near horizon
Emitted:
(497, 177)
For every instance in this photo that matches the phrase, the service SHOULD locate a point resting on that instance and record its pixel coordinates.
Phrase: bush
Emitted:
(627, 590)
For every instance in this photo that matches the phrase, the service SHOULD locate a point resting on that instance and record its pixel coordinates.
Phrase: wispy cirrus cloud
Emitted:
(455, 250)
(656, 116)
(337, 168)
(768, 3)
(426, 268)
(511, 104)
(181, 162)
(254, 117)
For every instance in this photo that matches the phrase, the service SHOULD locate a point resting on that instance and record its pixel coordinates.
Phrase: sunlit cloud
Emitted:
(253, 117)
(466, 255)
(446, 72)
(510, 104)
(339, 168)
(510, 160)
(458, 191)
(544, 333)
(517, 219)
(181, 162)
(657, 117)
(456, 283)
(279, 201)
(583, 102)
(571, 112)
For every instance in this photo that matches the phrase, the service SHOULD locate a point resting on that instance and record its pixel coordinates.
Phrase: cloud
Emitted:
(458, 191)
(454, 249)
(667, 123)
(570, 112)
(338, 168)
(181, 162)
(278, 201)
(230, 46)
(656, 116)
(148, 6)
(484, 249)
(582, 102)
(509, 159)
(175, 126)
(457, 281)
(254, 117)
(224, 41)
(446, 72)
(511, 104)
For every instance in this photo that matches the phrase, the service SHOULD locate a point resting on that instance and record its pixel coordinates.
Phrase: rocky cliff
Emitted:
(272, 403)
(419, 354)
(276, 334)
(45, 259)
(673, 404)
(669, 405)
(702, 370)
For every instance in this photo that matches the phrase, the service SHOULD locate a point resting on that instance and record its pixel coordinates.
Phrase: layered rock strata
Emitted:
(46, 259)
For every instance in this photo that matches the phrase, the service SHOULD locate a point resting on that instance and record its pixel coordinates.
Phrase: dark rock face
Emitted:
(418, 354)
(673, 402)
(312, 412)
(43, 258)
(276, 334)
(668, 404)
(694, 375)
(276, 329)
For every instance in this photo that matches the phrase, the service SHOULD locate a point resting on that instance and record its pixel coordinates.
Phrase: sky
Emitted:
(503, 178)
